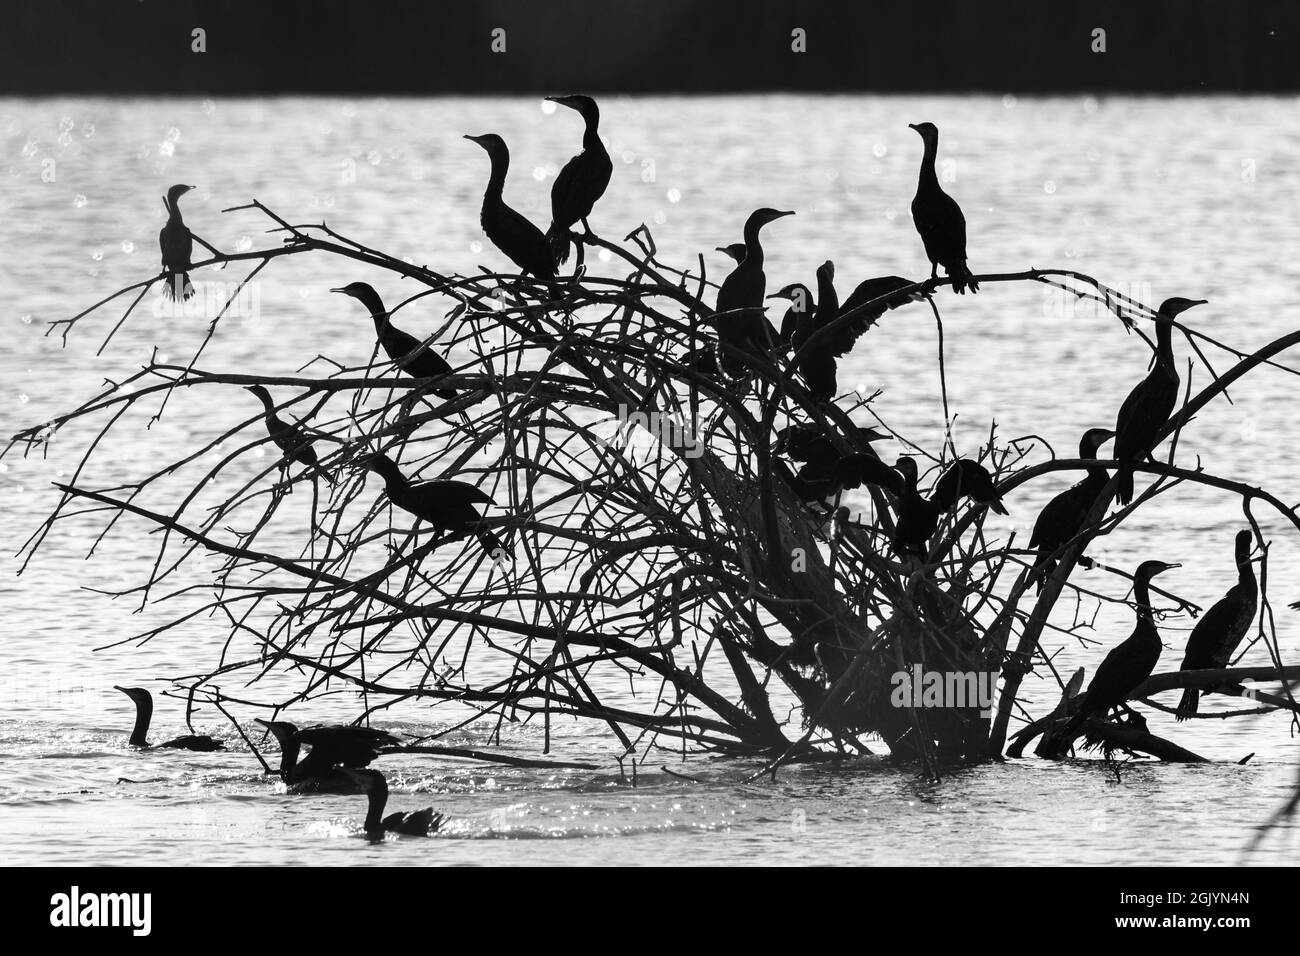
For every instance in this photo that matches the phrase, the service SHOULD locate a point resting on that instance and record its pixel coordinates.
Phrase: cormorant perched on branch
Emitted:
(969, 478)
(521, 241)
(1216, 636)
(177, 245)
(1152, 400)
(143, 701)
(1128, 663)
(743, 326)
(735, 252)
(857, 469)
(407, 352)
(918, 516)
(415, 823)
(938, 218)
(826, 471)
(581, 182)
(446, 504)
(1062, 518)
(290, 437)
(817, 364)
(330, 747)
(801, 302)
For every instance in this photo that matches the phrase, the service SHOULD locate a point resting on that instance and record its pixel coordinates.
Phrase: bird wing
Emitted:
(579, 185)
(449, 492)
(1145, 409)
(1217, 634)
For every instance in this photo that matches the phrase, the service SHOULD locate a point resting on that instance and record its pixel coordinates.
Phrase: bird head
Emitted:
(176, 192)
(906, 466)
(494, 144)
(761, 217)
(1172, 308)
(826, 270)
(929, 132)
(1093, 439)
(869, 434)
(796, 292)
(585, 105)
(1245, 542)
(281, 729)
(259, 391)
(356, 290)
(1149, 569)
(137, 694)
(736, 251)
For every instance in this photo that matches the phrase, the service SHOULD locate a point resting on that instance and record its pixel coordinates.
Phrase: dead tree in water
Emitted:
(661, 571)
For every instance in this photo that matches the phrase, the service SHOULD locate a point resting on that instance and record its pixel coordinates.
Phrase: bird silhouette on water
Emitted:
(329, 749)
(522, 242)
(447, 505)
(1148, 407)
(143, 701)
(417, 823)
(1063, 517)
(290, 437)
(939, 219)
(581, 182)
(408, 353)
(1217, 635)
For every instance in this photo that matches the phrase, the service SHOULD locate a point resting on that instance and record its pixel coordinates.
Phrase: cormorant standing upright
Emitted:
(938, 218)
(143, 701)
(177, 245)
(1062, 518)
(521, 241)
(407, 352)
(446, 504)
(582, 181)
(742, 294)
(817, 366)
(1152, 400)
(801, 302)
(1128, 663)
(415, 823)
(1216, 636)
(971, 479)
(291, 438)
(918, 516)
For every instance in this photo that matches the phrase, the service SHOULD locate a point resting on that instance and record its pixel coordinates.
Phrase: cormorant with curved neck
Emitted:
(445, 504)
(290, 437)
(407, 352)
(1152, 401)
(330, 747)
(938, 218)
(918, 516)
(801, 302)
(143, 701)
(177, 245)
(1129, 663)
(522, 242)
(817, 364)
(971, 479)
(413, 823)
(582, 181)
(740, 320)
(1217, 635)
(1062, 518)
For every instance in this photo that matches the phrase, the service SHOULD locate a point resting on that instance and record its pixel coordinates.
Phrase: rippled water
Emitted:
(1196, 197)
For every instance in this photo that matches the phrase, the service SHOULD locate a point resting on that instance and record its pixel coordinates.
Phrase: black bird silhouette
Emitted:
(801, 302)
(1062, 518)
(1129, 663)
(583, 179)
(740, 320)
(177, 245)
(290, 437)
(968, 478)
(825, 470)
(445, 504)
(414, 823)
(522, 242)
(1152, 400)
(143, 701)
(407, 352)
(735, 252)
(816, 357)
(329, 748)
(918, 516)
(938, 218)
(1218, 634)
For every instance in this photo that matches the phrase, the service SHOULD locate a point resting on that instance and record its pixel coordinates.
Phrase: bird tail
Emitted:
(177, 285)
(1187, 706)
(998, 507)
(1124, 490)
(962, 278)
(558, 237)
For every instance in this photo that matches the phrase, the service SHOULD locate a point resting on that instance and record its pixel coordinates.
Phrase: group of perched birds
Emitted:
(816, 331)
(337, 761)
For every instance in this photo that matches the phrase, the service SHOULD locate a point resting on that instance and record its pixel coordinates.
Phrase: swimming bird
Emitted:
(177, 245)
(740, 320)
(329, 747)
(1152, 401)
(938, 218)
(971, 479)
(801, 302)
(1129, 663)
(1217, 635)
(143, 701)
(445, 504)
(918, 516)
(290, 437)
(583, 179)
(414, 823)
(523, 243)
(407, 352)
(1062, 518)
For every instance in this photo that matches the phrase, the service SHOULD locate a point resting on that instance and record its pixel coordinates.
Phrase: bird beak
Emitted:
(871, 434)
(1169, 567)
(913, 126)
(783, 212)
(339, 290)
(119, 687)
